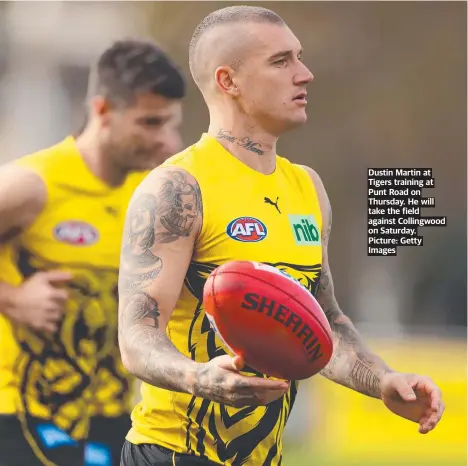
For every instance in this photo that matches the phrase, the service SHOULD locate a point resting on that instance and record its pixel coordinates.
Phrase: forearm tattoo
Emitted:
(151, 220)
(352, 364)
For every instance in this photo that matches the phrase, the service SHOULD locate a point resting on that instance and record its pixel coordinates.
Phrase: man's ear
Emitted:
(100, 108)
(224, 77)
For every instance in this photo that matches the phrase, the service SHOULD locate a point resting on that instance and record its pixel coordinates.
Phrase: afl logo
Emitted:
(76, 233)
(247, 230)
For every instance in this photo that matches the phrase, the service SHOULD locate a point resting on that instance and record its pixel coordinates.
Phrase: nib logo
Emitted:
(305, 230)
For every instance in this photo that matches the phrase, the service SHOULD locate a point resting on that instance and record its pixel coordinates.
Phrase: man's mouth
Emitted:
(301, 97)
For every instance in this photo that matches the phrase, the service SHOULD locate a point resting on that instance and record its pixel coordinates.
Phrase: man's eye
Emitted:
(152, 121)
(280, 61)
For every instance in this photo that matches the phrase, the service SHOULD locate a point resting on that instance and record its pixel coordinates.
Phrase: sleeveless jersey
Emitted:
(77, 372)
(274, 219)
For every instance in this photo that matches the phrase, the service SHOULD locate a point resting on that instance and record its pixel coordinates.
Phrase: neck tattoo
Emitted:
(244, 142)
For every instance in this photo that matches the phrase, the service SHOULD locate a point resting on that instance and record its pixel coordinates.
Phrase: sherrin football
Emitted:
(269, 318)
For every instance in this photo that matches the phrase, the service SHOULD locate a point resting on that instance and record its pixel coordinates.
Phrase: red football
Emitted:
(269, 318)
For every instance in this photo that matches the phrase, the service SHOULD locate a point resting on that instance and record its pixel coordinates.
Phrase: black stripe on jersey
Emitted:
(274, 449)
(201, 434)
(240, 449)
(54, 370)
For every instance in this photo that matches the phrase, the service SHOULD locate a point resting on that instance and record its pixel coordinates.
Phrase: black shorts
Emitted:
(105, 440)
(155, 455)
(43, 445)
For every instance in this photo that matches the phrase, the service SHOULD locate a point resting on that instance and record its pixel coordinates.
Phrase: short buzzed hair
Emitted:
(132, 66)
(228, 15)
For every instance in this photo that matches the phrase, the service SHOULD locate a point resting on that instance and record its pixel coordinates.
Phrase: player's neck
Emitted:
(251, 146)
(96, 160)
(255, 149)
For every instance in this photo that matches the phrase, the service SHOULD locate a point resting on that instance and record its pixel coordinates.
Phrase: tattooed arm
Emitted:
(411, 396)
(163, 220)
(353, 364)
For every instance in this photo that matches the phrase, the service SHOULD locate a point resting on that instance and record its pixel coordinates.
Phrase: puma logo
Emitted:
(111, 211)
(269, 201)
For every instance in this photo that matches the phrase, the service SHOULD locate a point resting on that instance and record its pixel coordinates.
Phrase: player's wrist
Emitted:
(10, 298)
(192, 378)
(384, 376)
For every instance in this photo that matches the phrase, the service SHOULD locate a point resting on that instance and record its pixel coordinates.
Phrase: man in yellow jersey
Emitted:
(62, 212)
(200, 406)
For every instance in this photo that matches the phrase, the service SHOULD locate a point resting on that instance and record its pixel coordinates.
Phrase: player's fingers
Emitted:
(59, 295)
(431, 419)
(238, 362)
(267, 397)
(269, 384)
(436, 417)
(404, 389)
(441, 409)
(424, 383)
(423, 423)
(239, 400)
(413, 383)
(429, 388)
(54, 314)
(436, 396)
(49, 327)
(225, 362)
(436, 400)
(248, 384)
(427, 424)
(57, 276)
(423, 428)
(53, 306)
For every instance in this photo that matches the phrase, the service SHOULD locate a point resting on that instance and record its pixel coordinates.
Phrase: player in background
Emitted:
(62, 212)
(199, 406)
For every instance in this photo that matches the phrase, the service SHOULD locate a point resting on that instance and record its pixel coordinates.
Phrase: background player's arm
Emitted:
(353, 364)
(22, 197)
(163, 221)
(38, 302)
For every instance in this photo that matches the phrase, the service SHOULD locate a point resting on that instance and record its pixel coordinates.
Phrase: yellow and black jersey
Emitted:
(273, 219)
(67, 377)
